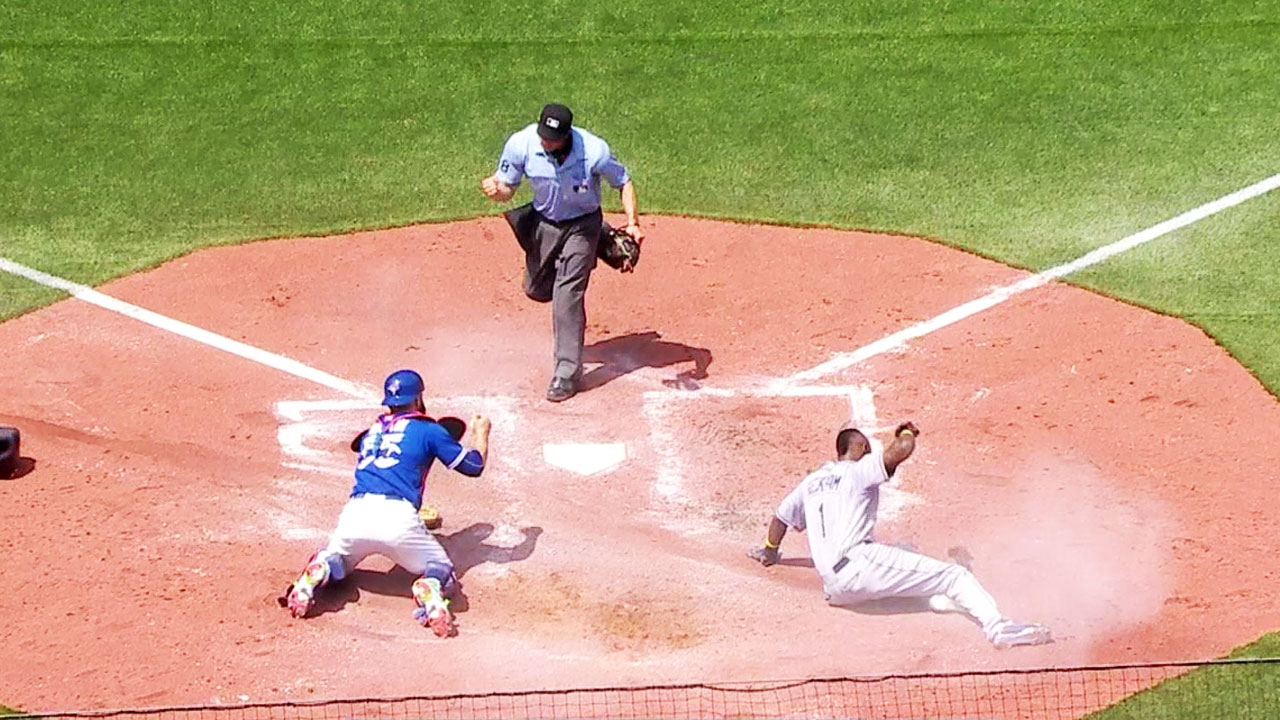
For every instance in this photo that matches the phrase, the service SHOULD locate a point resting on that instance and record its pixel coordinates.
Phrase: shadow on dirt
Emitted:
(627, 353)
(467, 549)
(22, 468)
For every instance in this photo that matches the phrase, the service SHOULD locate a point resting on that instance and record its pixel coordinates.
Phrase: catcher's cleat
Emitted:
(302, 595)
(438, 619)
(300, 600)
(433, 609)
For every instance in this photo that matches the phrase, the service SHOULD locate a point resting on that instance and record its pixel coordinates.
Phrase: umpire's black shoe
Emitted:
(561, 389)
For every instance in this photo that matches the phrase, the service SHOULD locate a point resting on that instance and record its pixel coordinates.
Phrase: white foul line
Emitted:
(844, 361)
(248, 352)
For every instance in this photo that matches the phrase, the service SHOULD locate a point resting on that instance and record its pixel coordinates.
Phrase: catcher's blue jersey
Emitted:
(397, 452)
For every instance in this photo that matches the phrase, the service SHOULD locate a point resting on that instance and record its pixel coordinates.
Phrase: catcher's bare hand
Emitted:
(765, 556)
(908, 425)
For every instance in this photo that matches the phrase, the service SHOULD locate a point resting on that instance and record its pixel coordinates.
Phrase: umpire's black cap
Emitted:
(555, 122)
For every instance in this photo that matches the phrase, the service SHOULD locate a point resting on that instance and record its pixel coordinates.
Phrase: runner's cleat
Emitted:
(1009, 634)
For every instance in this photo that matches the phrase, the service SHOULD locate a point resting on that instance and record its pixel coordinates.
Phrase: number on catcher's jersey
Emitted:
(380, 450)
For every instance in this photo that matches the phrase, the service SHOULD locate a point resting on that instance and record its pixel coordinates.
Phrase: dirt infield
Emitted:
(1105, 470)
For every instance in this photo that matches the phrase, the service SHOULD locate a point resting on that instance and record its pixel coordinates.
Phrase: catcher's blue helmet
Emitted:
(402, 388)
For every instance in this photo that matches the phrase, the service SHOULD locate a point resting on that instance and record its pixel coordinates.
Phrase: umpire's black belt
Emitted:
(567, 221)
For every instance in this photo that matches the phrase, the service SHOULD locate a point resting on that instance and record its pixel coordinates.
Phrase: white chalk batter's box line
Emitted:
(297, 425)
(658, 409)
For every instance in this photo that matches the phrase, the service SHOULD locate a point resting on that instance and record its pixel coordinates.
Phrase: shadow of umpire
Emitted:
(625, 354)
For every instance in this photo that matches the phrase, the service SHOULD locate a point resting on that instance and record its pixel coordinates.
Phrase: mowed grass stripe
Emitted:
(1015, 165)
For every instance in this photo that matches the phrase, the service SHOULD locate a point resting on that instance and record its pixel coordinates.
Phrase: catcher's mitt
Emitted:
(617, 249)
(430, 517)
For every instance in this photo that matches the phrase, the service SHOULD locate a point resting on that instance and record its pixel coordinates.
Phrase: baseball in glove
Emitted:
(617, 249)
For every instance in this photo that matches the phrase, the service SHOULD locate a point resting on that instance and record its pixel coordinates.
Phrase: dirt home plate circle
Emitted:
(1071, 453)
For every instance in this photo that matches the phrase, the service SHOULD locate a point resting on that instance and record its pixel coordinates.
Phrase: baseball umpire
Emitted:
(564, 164)
(837, 505)
(381, 515)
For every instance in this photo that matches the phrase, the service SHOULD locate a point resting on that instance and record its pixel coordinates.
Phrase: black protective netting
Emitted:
(1246, 688)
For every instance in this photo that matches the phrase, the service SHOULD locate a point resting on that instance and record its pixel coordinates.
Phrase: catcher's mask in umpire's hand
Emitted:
(10, 439)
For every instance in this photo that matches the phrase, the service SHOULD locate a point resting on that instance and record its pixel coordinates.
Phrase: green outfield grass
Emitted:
(135, 131)
(1221, 691)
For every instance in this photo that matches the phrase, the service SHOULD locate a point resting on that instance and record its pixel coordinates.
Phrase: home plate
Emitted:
(584, 458)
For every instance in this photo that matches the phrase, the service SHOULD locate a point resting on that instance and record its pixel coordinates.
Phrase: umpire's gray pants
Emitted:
(558, 265)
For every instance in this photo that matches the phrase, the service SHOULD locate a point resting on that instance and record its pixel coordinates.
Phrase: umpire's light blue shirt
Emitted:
(561, 191)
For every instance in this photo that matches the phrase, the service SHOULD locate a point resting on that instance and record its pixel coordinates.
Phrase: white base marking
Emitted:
(314, 436)
(862, 415)
(862, 408)
(328, 423)
(585, 458)
(669, 480)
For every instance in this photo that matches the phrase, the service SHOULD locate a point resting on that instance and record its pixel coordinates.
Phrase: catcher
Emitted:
(382, 515)
(562, 231)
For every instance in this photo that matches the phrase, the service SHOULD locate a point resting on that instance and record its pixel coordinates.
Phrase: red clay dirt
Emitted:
(1107, 470)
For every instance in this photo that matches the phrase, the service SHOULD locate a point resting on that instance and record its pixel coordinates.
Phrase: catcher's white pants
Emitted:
(381, 525)
(876, 571)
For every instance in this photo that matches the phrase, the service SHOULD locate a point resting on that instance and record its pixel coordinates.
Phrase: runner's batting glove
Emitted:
(766, 556)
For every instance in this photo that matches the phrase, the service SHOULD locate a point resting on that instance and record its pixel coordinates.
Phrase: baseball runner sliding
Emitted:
(836, 505)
